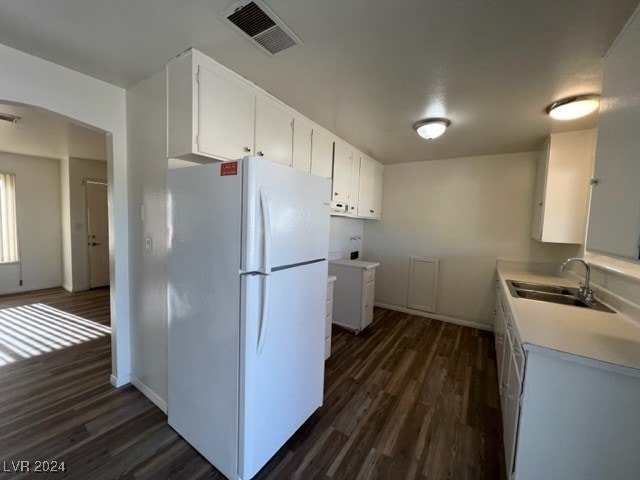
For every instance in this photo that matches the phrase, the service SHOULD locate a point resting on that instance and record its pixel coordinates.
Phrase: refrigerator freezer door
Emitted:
(204, 310)
(294, 204)
(282, 359)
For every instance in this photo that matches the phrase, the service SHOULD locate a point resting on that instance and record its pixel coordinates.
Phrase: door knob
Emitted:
(247, 149)
(261, 153)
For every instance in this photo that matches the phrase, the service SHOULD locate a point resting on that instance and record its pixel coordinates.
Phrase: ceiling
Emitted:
(369, 69)
(43, 134)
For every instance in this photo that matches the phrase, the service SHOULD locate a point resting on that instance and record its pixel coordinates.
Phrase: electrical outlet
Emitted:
(355, 255)
(148, 244)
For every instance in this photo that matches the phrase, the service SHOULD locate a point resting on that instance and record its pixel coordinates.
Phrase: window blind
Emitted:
(8, 222)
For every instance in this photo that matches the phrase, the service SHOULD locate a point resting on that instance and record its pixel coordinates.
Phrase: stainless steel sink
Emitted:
(553, 294)
(538, 287)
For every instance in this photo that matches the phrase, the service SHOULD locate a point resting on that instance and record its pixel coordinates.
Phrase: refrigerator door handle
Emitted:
(266, 223)
(264, 315)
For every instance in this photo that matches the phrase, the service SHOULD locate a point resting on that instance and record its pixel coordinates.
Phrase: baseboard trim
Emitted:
(119, 381)
(150, 394)
(442, 318)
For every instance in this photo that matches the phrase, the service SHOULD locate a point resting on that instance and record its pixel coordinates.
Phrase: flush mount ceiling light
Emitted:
(431, 128)
(7, 117)
(574, 107)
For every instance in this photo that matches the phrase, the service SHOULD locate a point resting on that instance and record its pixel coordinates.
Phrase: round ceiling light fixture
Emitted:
(431, 128)
(574, 107)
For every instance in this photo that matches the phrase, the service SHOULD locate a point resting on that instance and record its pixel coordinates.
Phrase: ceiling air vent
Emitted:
(262, 26)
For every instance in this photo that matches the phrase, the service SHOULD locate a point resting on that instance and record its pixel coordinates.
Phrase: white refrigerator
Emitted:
(247, 281)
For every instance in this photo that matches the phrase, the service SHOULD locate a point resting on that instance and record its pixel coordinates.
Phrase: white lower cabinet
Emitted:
(329, 317)
(354, 293)
(510, 366)
(564, 417)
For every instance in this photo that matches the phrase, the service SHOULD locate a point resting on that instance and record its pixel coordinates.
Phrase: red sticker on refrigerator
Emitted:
(228, 168)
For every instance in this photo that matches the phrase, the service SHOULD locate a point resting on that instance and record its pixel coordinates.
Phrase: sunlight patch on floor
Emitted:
(30, 330)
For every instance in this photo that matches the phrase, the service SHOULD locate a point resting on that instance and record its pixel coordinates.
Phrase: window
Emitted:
(8, 224)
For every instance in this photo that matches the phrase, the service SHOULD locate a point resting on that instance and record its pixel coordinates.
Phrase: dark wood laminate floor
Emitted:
(409, 398)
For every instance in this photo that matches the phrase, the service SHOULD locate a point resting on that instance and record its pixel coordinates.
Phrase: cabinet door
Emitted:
(377, 190)
(367, 311)
(366, 188)
(302, 133)
(225, 117)
(354, 184)
(274, 132)
(614, 218)
(321, 153)
(341, 173)
(538, 198)
(512, 409)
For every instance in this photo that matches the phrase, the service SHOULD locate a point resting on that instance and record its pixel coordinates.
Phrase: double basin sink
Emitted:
(554, 294)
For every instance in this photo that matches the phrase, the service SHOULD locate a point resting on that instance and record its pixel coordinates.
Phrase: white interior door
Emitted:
(98, 233)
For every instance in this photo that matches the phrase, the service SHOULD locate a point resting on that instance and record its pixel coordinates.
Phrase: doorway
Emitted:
(97, 232)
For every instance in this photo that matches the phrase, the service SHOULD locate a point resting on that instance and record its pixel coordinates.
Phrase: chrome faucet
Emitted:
(585, 290)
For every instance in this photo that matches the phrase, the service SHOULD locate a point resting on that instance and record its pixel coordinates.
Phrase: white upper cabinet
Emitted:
(341, 174)
(366, 199)
(274, 132)
(354, 184)
(209, 115)
(614, 218)
(214, 114)
(302, 134)
(321, 153)
(377, 191)
(562, 188)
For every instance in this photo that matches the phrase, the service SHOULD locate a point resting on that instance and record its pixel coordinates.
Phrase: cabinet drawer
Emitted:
(369, 275)
(330, 293)
(327, 326)
(329, 308)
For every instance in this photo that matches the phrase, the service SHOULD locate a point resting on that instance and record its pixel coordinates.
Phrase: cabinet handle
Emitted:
(246, 149)
(335, 194)
(353, 208)
(261, 153)
(540, 204)
(371, 211)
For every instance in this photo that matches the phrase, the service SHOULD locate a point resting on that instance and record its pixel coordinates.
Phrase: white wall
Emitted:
(467, 212)
(345, 237)
(38, 217)
(74, 220)
(29, 80)
(148, 168)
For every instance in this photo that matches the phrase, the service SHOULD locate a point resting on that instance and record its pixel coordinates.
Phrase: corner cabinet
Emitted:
(209, 114)
(562, 187)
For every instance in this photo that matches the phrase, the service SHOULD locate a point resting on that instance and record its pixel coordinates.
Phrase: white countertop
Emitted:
(589, 336)
(355, 263)
(331, 278)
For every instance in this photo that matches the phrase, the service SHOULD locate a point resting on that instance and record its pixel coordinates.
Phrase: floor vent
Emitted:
(263, 27)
